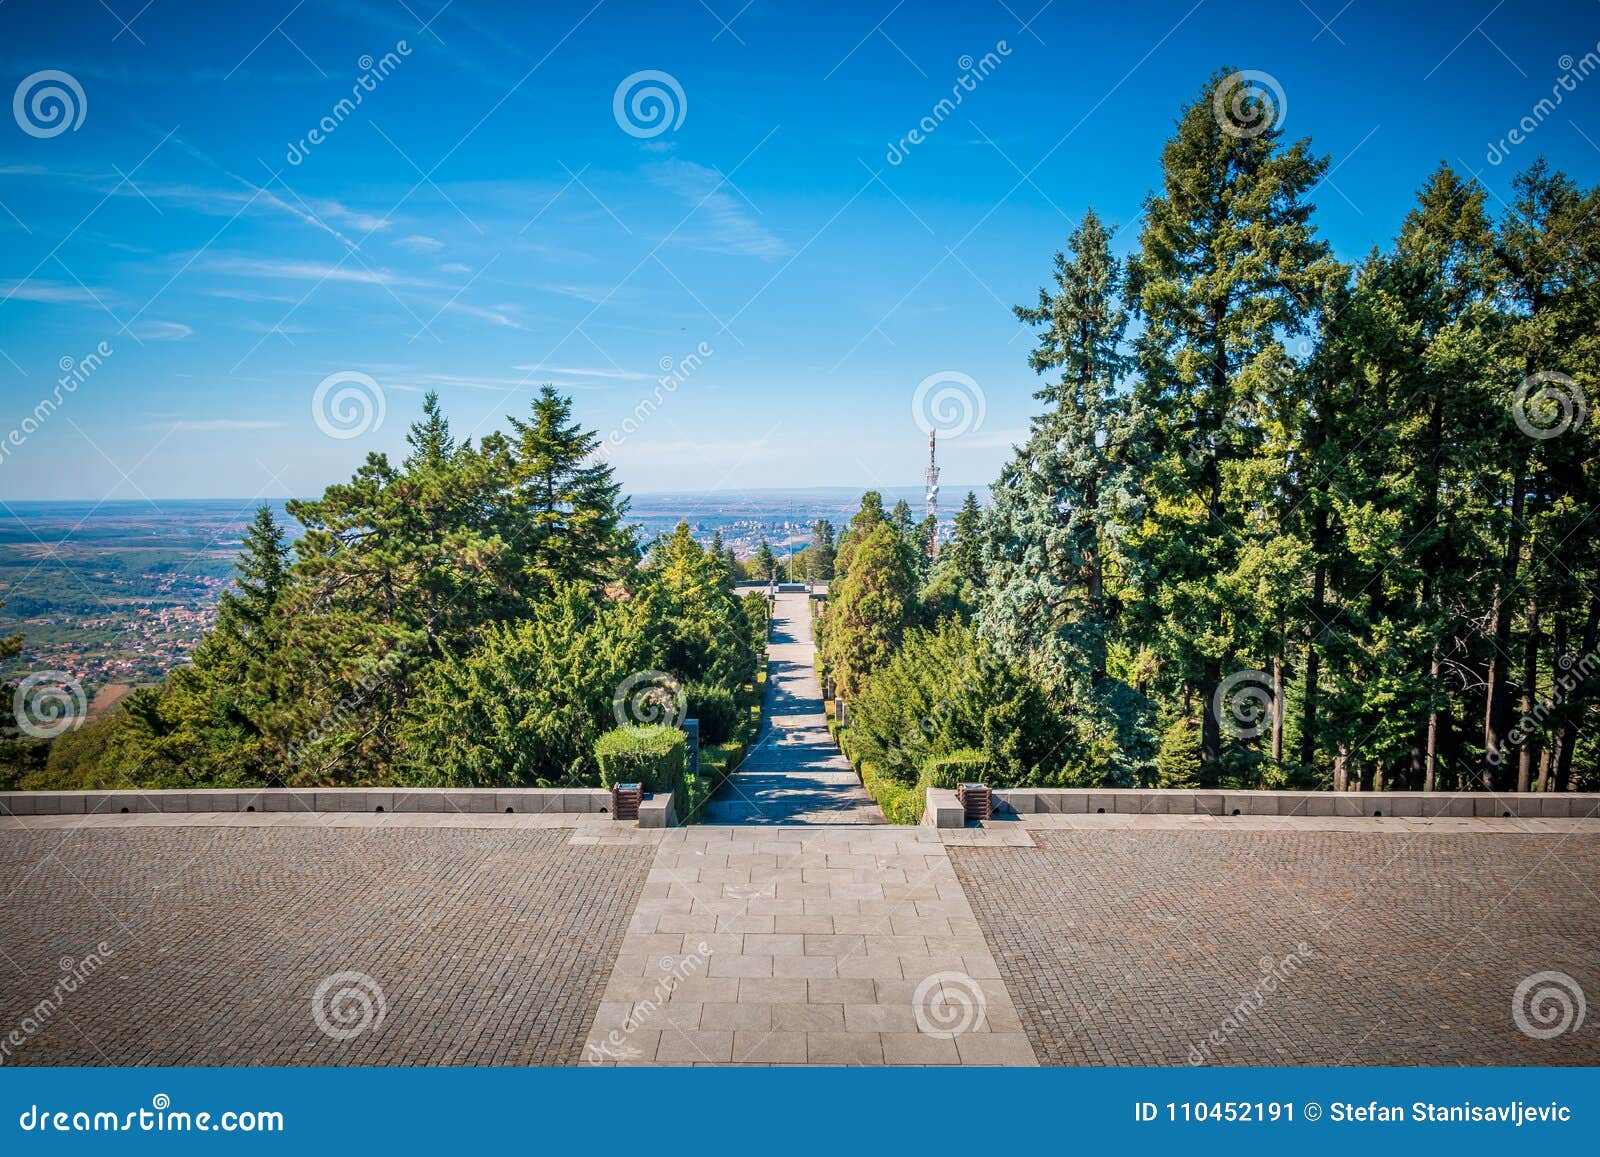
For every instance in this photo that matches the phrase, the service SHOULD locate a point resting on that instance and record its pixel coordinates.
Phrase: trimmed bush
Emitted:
(655, 756)
(948, 771)
(719, 711)
(900, 804)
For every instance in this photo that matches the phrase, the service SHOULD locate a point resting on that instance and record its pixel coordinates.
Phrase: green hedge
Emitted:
(654, 755)
(964, 766)
(900, 804)
(719, 710)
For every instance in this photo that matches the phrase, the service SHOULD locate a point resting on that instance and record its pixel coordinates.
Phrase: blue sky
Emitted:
(482, 222)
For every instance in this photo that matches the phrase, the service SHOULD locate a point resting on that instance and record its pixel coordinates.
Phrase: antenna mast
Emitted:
(931, 477)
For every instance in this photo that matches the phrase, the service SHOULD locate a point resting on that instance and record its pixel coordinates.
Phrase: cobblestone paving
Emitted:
(1171, 948)
(489, 946)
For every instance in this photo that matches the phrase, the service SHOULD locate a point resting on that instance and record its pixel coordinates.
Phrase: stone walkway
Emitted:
(805, 945)
(795, 773)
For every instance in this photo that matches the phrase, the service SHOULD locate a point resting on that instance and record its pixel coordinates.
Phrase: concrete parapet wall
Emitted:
(522, 801)
(1411, 804)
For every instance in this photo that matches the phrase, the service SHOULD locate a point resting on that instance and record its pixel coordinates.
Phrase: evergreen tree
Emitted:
(1229, 264)
(820, 552)
(764, 566)
(565, 506)
(869, 608)
(1059, 505)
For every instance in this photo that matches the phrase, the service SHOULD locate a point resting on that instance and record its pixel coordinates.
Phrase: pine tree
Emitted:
(1228, 265)
(566, 507)
(820, 552)
(764, 566)
(1058, 506)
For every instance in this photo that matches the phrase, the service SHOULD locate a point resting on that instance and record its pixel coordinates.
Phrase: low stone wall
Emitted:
(521, 801)
(944, 811)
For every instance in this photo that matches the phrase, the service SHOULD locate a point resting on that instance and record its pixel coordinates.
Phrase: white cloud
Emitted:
(47, 292)
(421, 243)
(620, 375)
(217, 425)
(725, 226)
(319, 271)
(160, 330)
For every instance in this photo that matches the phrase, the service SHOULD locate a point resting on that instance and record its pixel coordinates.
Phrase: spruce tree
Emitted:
(1228, 265)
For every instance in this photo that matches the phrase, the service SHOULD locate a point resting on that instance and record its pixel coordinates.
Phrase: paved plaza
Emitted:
(1303, 943)
(570, 940)
(429, 944)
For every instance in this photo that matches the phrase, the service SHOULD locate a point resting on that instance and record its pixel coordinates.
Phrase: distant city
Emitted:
(117, 594)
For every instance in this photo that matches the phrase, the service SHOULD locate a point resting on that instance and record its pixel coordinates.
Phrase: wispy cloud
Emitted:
(217, 425)
(160, 330)
(421, 243)
(47, 292)
(318, 271)
(620, 375)
(723, 225)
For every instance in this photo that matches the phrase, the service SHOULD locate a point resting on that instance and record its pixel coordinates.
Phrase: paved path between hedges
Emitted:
(795, 773)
